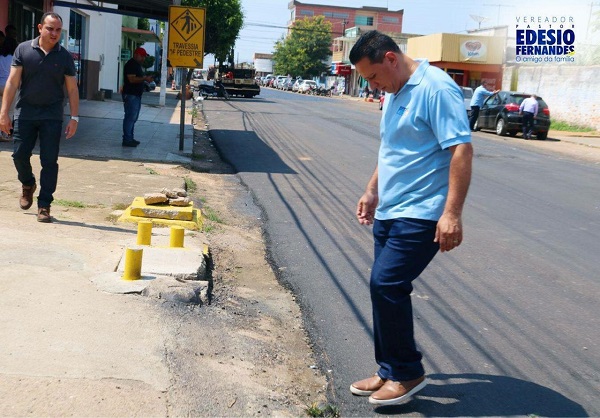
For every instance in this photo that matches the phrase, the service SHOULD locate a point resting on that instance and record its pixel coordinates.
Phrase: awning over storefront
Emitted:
(153, 9)
(140, 35)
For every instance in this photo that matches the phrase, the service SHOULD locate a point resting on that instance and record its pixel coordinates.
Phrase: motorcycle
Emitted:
(212, 90)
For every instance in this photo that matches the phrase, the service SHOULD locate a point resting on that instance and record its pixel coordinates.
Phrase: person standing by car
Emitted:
(42, 69)
(529, 110)
(479, 96)
(414, 201)
(133, 88)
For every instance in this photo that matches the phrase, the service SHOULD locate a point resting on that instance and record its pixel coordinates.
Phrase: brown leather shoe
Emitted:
(44, 215)
(26, 199)
(367, 386)
(392, 393)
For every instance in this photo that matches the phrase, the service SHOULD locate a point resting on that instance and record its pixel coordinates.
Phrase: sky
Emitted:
(420, 17)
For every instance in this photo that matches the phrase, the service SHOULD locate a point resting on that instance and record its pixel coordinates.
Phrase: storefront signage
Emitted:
(472, 49)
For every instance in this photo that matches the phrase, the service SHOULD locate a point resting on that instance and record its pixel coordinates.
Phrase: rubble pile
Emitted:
(173, 197)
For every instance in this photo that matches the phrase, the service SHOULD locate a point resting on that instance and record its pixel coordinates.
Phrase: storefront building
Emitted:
(468, 59)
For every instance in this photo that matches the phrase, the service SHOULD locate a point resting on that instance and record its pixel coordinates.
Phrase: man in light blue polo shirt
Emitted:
(414, 201)
(479, 95)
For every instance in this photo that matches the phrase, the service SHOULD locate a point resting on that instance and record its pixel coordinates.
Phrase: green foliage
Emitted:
(143, 23)
(69, 203)
(224, 20)
(559, 125)
(316, 410)
(303, 51)
(190, 185)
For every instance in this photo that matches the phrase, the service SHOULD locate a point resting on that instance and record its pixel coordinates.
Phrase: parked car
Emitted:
(500, 112)
(306, 86)
(287, 84)
(279, 81)
(297, 84)
(467, 94)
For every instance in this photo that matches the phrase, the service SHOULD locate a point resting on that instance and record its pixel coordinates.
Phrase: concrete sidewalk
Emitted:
(68, 348)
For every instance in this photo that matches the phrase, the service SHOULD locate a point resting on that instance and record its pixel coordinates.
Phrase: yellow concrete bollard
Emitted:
(144, 233)
(176, 239)
(133, 264)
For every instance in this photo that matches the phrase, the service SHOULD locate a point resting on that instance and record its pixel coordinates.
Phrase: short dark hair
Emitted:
(373, 45)
(51, 14)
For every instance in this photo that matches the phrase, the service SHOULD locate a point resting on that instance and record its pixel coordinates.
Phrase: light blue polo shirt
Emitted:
(418, 125)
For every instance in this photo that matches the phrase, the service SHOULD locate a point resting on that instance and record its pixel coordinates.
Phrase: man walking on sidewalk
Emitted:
(133, 88)
(414, 201)
(42, 68)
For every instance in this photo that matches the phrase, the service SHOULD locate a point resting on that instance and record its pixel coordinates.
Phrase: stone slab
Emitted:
(195, 224)
(162, 211)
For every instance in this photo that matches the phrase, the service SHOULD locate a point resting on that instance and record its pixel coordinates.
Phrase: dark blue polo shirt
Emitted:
(42, 90)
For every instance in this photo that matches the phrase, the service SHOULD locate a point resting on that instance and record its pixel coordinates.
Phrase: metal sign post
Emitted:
(186, 46)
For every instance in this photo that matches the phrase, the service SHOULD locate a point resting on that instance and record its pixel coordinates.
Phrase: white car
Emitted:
(467, 94)
(306, 86)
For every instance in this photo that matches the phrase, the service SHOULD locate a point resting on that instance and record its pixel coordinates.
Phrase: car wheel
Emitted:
(541, 135)
(500, 127)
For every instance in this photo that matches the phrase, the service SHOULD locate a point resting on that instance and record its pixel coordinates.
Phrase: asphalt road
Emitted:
(508, 323)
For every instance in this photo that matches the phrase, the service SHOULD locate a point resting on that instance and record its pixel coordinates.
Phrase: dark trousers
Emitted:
(26, 134)
(527, 124)
(403, 248)
(132, 105)
(473, 116)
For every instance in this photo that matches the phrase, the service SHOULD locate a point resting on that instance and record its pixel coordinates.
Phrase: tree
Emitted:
(305, 49)
(224, 20)
(143, 24)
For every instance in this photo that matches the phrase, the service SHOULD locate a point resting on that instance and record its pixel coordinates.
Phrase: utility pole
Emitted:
(499, 6)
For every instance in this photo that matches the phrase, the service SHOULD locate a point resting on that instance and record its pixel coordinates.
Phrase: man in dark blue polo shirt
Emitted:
(42, 68)
(133, 88)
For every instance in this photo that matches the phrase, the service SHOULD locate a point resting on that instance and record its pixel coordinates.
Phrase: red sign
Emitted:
(342, 69)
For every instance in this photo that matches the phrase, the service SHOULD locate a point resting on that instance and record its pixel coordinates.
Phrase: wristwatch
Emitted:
(75, 118)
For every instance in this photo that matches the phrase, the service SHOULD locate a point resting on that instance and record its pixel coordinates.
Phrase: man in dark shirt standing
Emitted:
(42, 68)
(133, 88)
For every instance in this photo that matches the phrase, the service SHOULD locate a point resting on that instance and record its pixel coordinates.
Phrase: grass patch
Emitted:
(211, 215)
(69, 203)
(559, 125)
(190, 185)
(315, 410)
(151, 171)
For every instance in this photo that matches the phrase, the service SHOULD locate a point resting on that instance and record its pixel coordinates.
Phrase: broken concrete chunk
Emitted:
(180, 201)
(153, 198)
(171, 194)
(180, 192)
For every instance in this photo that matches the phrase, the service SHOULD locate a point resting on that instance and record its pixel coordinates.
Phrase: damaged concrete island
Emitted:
(167, 268)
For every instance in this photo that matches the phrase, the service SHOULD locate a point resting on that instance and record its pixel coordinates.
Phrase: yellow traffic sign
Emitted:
(186, 36)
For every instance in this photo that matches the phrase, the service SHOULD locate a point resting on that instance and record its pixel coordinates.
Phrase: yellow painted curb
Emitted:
(194, 224)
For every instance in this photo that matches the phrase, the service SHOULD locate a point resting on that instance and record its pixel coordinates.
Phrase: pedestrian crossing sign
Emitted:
(186, 36)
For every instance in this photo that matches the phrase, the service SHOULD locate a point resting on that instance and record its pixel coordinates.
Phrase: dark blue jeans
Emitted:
(403, 248)
(26, 134)
(132, 105)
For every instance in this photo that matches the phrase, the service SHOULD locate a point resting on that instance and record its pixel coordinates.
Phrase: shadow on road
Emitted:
(247, 153)
(486, 395)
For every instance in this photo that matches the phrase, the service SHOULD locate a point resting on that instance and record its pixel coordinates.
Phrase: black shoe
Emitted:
(137, 142)
(130, 143)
